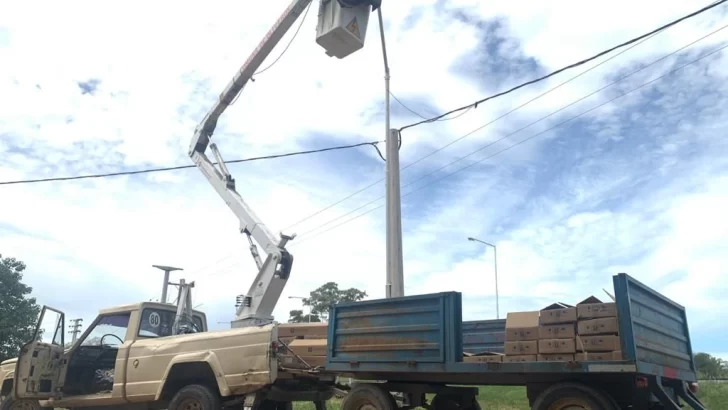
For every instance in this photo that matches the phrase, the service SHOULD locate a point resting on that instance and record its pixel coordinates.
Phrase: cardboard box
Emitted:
(305, 347)
(602, 343)
(521, 347)
(556, 357)
(602, 326)
(558, 313)
(592, 307)
(562, 331)
(522, 326)
(497, 358)
(302, 329)
(599, 356)
(556, 346)
(293, 362)
(520, 358)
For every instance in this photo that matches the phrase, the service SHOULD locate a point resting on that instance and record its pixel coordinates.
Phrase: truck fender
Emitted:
(197, 357)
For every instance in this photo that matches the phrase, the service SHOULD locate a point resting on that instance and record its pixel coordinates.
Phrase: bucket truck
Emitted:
(340, 31)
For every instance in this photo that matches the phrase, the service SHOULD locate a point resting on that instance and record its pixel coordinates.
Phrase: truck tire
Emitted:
(10, 403)
(568, 396)
(194, 397)
(368, 397)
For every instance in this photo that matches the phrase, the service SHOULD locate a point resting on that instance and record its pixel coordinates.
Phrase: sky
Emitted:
(621, 168)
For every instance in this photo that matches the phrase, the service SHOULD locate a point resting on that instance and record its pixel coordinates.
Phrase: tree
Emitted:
(297, 316)
(18, 311)
(326, 295)
(710, 367)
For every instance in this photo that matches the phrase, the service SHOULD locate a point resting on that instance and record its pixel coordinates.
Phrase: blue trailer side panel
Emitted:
(654, 330)
(424, 334)
(484, 336)
(422, 329)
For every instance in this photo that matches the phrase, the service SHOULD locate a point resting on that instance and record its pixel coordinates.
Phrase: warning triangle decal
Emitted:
(353, 28)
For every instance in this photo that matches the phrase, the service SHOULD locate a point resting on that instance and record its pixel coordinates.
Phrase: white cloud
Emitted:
(636, 186)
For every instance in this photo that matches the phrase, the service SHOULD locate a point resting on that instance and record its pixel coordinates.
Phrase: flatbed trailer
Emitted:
(413, 345)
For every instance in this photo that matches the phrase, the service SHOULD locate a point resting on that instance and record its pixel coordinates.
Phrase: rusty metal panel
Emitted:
(484, 336)
(654, 330)
(406, 330)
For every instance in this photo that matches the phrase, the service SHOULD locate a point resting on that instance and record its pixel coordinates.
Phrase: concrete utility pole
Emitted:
(395, 274)
(75, 329)
(495, 260)
(165, 285)
(395, 271)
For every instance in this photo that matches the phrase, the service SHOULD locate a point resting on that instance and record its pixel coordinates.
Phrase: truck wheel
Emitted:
(194, 397)
(571, 396)
(368, 397)
(10, 403)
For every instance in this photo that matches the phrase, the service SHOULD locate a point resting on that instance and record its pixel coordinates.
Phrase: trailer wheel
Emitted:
(368, 397)
(572, 396)
(195, 397)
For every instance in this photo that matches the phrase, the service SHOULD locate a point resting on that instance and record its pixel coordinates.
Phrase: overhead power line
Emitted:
(423, 117)
(455, 140)
(304, 239)
(582, 62)
(164, 169)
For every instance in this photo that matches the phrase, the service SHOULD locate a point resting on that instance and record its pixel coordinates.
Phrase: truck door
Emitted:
(41, 359)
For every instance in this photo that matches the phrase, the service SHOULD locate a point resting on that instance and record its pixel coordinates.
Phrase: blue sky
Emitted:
(632, 185)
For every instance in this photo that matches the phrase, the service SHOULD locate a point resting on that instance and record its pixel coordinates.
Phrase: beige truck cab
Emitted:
(129, 356)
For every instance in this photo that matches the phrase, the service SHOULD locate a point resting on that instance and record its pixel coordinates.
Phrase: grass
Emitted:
(713, 395)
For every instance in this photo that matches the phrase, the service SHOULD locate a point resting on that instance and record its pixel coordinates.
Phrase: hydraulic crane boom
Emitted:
(341, 28)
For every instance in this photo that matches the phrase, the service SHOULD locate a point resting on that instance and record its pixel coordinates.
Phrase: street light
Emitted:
(495, 259)
(309, 308)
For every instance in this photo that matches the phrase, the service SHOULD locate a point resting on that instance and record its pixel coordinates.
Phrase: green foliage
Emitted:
(710, 367)
(322, 298)
(297, 316)
(18, 311)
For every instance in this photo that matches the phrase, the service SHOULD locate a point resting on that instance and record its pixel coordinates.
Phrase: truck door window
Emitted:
(159, 323)
(50, 328)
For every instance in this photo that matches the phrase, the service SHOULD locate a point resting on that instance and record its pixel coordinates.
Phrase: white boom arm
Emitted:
(341, 28)
(183, 320)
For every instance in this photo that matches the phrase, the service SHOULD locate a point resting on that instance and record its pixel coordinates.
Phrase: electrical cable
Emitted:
(163, 169)
(582, 62)
(524, 140)
(423, 117)
(460, 138)
(295, 34)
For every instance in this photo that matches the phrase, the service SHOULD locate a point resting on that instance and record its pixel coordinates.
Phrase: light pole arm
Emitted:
(495, 260)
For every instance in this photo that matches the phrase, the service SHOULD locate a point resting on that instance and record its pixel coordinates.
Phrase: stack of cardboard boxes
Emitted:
(556, 333)
(307, 340)
(597, 331)
(521, 337)
(561, 332)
